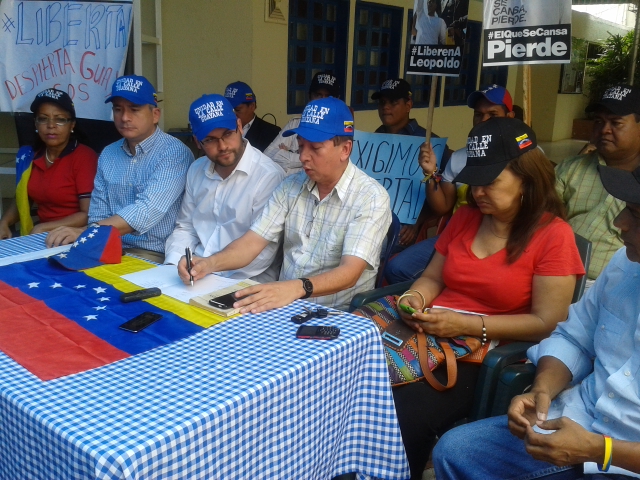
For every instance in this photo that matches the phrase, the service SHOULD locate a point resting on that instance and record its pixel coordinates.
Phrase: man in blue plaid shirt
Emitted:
(140, 181)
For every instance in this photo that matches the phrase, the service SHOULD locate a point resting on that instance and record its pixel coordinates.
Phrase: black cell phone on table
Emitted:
(318, 332)
(224, 302)
(140, 322)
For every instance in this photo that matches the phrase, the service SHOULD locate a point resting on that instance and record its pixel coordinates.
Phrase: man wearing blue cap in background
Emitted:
(284, 150)
(332, 218)
(140, 179)
(259, 133)
(226, 190)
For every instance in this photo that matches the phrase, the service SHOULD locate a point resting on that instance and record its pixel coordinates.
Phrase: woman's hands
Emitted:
(437, 321)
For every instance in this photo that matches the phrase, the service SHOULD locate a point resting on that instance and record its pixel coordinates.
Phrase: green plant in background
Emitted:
(612, 67)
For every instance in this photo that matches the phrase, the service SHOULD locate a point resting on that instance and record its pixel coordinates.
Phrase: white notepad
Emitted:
(166, 278)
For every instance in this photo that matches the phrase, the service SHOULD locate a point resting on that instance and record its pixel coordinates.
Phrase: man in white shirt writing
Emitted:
(226, 190)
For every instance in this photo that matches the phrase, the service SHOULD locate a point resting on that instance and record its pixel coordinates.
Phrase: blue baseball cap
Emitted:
(239, 92)
(94, 247)
(495, 94)
(134, 88)
(324, 119)
(210, 112)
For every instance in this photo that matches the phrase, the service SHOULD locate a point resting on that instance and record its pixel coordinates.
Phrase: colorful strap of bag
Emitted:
(412, 356)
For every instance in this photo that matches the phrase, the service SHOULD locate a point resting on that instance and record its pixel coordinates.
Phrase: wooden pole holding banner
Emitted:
(526, 94)
(432, 102)
(634, 49)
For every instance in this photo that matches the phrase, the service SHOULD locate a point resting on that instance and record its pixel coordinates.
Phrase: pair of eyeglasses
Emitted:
(313, 313)
(225, 138)
(59, 121)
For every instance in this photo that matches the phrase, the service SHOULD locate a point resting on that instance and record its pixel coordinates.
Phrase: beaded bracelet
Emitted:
(427, 176)
(483, 340)
(608, 454)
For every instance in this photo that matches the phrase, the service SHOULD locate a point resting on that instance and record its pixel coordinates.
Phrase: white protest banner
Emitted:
(519, 32)
(77, 47)
(393, 161)
(438, 31)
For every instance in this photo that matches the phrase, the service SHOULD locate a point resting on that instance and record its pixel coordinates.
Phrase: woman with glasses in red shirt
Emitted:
(62, 172)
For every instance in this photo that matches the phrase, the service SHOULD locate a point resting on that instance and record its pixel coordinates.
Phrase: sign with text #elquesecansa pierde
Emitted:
(393, 161)
(519, 32)
(77, 47)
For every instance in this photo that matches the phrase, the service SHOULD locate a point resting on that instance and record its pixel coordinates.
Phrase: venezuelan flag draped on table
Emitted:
(57, 322)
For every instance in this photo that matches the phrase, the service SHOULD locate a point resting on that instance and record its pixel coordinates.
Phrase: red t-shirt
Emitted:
(491, 285)
(57, 190)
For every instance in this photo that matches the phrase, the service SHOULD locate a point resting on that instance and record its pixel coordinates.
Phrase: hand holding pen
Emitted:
(189, 263)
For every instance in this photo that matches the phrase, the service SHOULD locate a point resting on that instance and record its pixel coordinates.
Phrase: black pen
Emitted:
(187, 252)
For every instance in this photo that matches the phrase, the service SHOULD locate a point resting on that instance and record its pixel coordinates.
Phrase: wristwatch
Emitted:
(93, 225)
(308, 287)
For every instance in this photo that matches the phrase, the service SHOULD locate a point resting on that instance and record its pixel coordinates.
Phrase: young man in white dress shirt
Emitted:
(332, 218)
(226, 190)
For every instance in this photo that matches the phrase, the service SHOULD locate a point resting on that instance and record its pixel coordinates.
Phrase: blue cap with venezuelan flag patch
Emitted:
(324, 119)
(94, 247)
(239, 92)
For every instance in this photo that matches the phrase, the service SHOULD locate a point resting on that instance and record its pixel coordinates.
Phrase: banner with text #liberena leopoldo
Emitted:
(437, 32)
(77, 47)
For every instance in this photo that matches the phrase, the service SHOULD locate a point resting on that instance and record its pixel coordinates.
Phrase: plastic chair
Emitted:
(502, 374)
(392, 241)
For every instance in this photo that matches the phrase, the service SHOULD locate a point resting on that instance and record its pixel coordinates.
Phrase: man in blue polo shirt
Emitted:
(140, 180)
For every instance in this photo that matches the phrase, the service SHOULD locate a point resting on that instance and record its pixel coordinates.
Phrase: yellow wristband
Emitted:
(608, 454)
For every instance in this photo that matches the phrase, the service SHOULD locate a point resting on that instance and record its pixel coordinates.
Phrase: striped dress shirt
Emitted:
(590, 209)
(352, 220)
(144, 187)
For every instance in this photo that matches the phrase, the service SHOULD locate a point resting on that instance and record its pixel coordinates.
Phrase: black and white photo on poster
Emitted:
(437, 35)
(518, 32)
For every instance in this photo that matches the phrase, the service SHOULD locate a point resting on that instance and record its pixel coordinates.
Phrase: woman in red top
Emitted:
(509, 256)
(63, 170)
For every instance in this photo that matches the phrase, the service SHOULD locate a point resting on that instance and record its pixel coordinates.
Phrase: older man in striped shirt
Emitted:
(590, 209)
(140, 180)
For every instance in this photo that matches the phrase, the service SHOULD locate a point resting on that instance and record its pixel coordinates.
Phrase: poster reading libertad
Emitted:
(78, 47)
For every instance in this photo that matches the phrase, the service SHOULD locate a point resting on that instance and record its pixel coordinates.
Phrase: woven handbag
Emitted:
(412, 356)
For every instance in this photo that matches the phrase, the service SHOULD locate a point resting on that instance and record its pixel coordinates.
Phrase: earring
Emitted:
(36, 130)
(521, 199)
(71, 131)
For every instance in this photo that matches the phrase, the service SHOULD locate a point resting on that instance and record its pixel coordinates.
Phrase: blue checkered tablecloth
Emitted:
(244, 399)
(20, 245)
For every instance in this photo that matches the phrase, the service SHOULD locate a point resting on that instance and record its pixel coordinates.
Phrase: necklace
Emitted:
(46, 156)
(493, 231)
